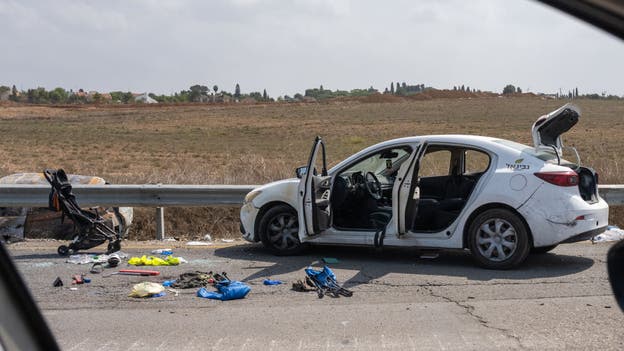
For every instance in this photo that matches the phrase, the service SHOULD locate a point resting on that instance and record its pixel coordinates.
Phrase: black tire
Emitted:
(498, 239)
(543, 249)
(279, 229)
(63, 250)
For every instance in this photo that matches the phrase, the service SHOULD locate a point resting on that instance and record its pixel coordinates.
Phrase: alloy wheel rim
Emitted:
(283, 231)
(497, 239)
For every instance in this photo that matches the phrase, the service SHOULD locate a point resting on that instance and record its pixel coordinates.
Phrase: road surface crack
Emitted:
(470, 310)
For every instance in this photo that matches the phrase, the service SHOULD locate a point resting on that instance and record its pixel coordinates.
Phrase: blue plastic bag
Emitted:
(231, 290)
(272, 282)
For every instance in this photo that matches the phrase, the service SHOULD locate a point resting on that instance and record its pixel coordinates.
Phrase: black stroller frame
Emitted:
(90, 229)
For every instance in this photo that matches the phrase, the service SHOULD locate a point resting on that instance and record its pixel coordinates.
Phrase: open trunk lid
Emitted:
(547, 130)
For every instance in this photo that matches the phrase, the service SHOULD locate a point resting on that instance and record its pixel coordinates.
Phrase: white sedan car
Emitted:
(497, 198)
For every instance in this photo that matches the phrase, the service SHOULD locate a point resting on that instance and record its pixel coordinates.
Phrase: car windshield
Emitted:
(380, 162)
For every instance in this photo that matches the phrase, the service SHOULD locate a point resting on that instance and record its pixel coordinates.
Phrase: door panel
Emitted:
(406, 188)
(313, 192)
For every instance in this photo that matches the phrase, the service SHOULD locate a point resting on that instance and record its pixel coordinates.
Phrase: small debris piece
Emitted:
(57, 282)
(198, 243)
(272, 282)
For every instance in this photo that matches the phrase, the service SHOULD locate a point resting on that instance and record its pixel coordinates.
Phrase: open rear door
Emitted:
(406, 191)
(547, 129)
(313, 194)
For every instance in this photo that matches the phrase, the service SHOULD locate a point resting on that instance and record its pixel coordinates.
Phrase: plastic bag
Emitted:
(226, 291)
(147, 289)
(155, 261)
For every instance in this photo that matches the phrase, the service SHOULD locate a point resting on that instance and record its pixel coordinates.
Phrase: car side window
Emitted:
(381, 161)
(435, 163)
(475, 161)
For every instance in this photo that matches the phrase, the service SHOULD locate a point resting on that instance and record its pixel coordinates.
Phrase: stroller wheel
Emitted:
(63, 250)
(114, 246)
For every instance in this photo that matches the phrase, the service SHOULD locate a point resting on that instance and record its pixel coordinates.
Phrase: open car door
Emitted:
(313, 194)
(406, 192)
(547, 129)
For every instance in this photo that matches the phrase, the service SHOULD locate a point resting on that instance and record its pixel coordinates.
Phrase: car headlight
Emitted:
(252, 195)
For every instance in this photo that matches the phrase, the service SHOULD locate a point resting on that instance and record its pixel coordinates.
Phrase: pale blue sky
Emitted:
(287, 46)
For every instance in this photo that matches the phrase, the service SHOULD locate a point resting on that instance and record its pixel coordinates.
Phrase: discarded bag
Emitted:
(155, 261)
(147, 289)
(325, 283)
(272, 282)
(230, 290)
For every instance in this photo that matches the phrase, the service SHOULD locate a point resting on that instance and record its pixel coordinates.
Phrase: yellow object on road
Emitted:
(154, 261)
(146, 289)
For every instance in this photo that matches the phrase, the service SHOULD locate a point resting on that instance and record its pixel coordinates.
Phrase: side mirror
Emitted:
(301, 171)
(615, 267)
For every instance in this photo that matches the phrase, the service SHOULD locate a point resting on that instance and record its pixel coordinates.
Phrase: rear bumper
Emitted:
(585, 235)
(570, 219)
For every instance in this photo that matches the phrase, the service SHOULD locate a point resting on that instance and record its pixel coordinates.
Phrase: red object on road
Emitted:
(138, 272)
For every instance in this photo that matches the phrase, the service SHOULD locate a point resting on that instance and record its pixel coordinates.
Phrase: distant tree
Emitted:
(454, 88)
(13, 95)
(321, 88)
(215, 88)
(298, 96)
(386, 91)
(509, 89)
(467, 88)
(255, 95)
(518, 90)
(58, 96)
(576, 92)
(237, 91)
(266, 97)
(403, 85)
(197, 91)
(392, 87)
(463, 88)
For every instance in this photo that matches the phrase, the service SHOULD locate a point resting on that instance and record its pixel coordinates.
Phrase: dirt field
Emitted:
(254, 144)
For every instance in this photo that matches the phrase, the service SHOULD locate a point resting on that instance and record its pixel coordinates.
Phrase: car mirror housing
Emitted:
(301, 171)
(615, 267)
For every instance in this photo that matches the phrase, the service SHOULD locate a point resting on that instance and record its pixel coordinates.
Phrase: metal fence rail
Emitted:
(159, 196)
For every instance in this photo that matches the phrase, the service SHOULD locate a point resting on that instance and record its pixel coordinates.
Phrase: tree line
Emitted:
(202, 93)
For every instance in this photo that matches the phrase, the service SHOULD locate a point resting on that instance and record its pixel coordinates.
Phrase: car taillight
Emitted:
(566, 178)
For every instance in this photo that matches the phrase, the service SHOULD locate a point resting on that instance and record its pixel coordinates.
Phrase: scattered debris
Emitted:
(227, 240)
(207, 237)
(227, 290)
(325, 283)
(147, 289)
(57, 282)
(136, 272)
(330, 260)
(97, 268)
(156, 261)
(304, 285)
(93, 258)
(165, 252)
(169, 239)
(77, 279)
(86, 280)
(73, 289)
(613, 233)
(198, 243)
(272, 282)
(195, 279)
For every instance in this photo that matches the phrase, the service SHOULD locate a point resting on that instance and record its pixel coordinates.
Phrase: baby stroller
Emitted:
(89, 227)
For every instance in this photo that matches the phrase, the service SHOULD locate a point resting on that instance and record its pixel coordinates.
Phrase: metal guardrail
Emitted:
(159, 196)
(144, 195)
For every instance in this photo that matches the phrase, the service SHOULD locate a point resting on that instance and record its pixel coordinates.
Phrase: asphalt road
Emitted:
(560, 300)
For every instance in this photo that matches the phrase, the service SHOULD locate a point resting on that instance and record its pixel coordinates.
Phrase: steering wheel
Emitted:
(373, 185)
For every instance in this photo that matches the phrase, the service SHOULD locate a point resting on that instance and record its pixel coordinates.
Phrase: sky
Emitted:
(286, 46)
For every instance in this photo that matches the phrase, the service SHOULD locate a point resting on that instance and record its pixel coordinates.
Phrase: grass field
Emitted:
(254, 144)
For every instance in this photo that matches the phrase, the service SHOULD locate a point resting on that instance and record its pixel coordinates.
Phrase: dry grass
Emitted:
(254, 144)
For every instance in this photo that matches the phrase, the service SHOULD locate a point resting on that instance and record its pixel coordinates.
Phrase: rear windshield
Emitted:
(543, 155)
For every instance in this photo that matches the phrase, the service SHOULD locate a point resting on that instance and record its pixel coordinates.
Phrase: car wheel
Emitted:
(279, 230)
(498, 239)
(543, 249)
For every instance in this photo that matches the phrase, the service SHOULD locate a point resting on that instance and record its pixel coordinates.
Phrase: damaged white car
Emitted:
(496, 198)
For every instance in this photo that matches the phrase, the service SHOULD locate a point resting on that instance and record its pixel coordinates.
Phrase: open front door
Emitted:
(313, 194)
(406, 192)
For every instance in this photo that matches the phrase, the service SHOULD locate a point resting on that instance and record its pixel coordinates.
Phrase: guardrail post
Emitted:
(160, 223)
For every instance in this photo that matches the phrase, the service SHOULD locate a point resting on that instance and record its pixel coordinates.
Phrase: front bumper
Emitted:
(248, 214)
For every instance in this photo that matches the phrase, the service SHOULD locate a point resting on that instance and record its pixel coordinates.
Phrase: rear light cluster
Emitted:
(565, 178)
